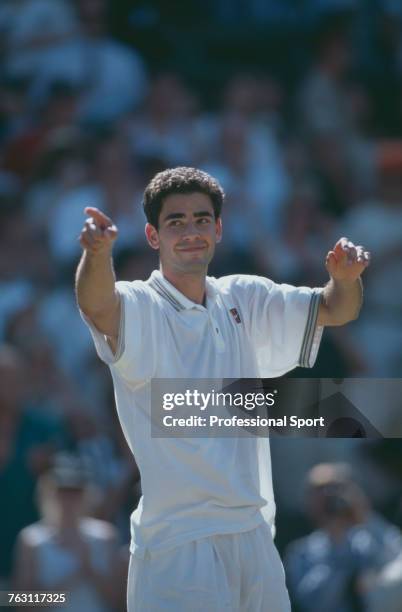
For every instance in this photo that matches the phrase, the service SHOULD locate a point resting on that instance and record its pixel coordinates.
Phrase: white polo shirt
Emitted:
(249, 328)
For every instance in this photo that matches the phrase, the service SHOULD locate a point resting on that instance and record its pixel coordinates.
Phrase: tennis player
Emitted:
(202, 535)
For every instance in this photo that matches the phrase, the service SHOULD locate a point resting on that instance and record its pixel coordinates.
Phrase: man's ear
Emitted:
(218, 228)
(152, 236)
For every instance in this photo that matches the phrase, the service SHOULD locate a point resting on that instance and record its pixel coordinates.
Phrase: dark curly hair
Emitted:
(180, 180)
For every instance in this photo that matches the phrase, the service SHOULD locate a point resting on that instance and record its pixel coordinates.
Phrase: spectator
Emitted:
(248, 156)
(324, 103)
(386, 589)
(328, 570)
(67, 551)
(28, 440)
(120, 178)
(15, 109)
(47, 40)
(378, 223)
(114, 73)
(79, 127)
(34, 31)
(15, 268)
(299, 247)
(331, 112)
(48, 389)
(56, 115)
(164, 129)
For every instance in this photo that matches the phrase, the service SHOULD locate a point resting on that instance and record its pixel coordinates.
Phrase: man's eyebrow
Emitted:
(174, 216)
(202, 213)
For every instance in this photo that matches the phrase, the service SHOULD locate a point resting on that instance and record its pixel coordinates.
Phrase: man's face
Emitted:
(187, 234)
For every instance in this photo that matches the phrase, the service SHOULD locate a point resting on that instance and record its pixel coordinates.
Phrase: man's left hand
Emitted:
(346, 262)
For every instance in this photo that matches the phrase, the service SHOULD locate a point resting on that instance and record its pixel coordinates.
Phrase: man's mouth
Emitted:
(192, 249)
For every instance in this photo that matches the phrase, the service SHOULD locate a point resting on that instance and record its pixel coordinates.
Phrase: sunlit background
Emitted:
(296, 107)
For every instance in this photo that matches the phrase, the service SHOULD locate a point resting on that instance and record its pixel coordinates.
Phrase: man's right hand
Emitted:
(99, 232)
(95, 288)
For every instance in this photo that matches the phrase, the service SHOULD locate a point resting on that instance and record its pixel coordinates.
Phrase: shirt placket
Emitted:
(216, 333)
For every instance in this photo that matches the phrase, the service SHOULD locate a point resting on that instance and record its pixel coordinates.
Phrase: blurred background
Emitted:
(296, 107)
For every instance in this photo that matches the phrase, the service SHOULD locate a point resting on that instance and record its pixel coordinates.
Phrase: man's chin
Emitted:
(195, 264)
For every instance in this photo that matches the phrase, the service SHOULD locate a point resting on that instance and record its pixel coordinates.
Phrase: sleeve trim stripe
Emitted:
(120, 342)
(310, 331)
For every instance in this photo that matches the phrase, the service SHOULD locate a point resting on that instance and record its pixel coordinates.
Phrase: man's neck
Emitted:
(192, 285)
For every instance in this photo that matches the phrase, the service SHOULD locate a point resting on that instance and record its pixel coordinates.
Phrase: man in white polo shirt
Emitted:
(202, 533)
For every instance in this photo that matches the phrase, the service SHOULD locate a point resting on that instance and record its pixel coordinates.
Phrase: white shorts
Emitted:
(236, 572)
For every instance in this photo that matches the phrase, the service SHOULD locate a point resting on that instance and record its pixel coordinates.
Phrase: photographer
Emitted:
(332, 568)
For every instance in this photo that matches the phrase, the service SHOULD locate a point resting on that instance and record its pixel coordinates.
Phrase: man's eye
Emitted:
(204, 220)
(175, 223)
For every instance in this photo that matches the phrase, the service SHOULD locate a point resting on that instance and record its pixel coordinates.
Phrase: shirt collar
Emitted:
(175, 297)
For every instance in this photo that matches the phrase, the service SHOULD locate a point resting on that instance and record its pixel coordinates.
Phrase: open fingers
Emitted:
(358, 254)
(347, 251)
(347, 259)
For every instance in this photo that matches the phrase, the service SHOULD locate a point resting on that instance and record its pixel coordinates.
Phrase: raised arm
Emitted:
(343, 295)
(95, 278)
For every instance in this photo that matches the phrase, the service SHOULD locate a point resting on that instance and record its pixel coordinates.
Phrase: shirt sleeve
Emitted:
(127, 360)
(284, 327)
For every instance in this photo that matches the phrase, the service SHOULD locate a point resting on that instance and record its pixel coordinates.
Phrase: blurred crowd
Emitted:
(296, 110)
(352, 560)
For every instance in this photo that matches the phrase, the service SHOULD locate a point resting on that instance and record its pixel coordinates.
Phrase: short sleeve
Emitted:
(129, 357)
(284, 328)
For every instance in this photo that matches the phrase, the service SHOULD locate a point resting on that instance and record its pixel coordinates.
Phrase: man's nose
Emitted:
(191, 231)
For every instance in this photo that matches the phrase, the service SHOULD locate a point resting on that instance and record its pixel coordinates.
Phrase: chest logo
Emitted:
(235, 315)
